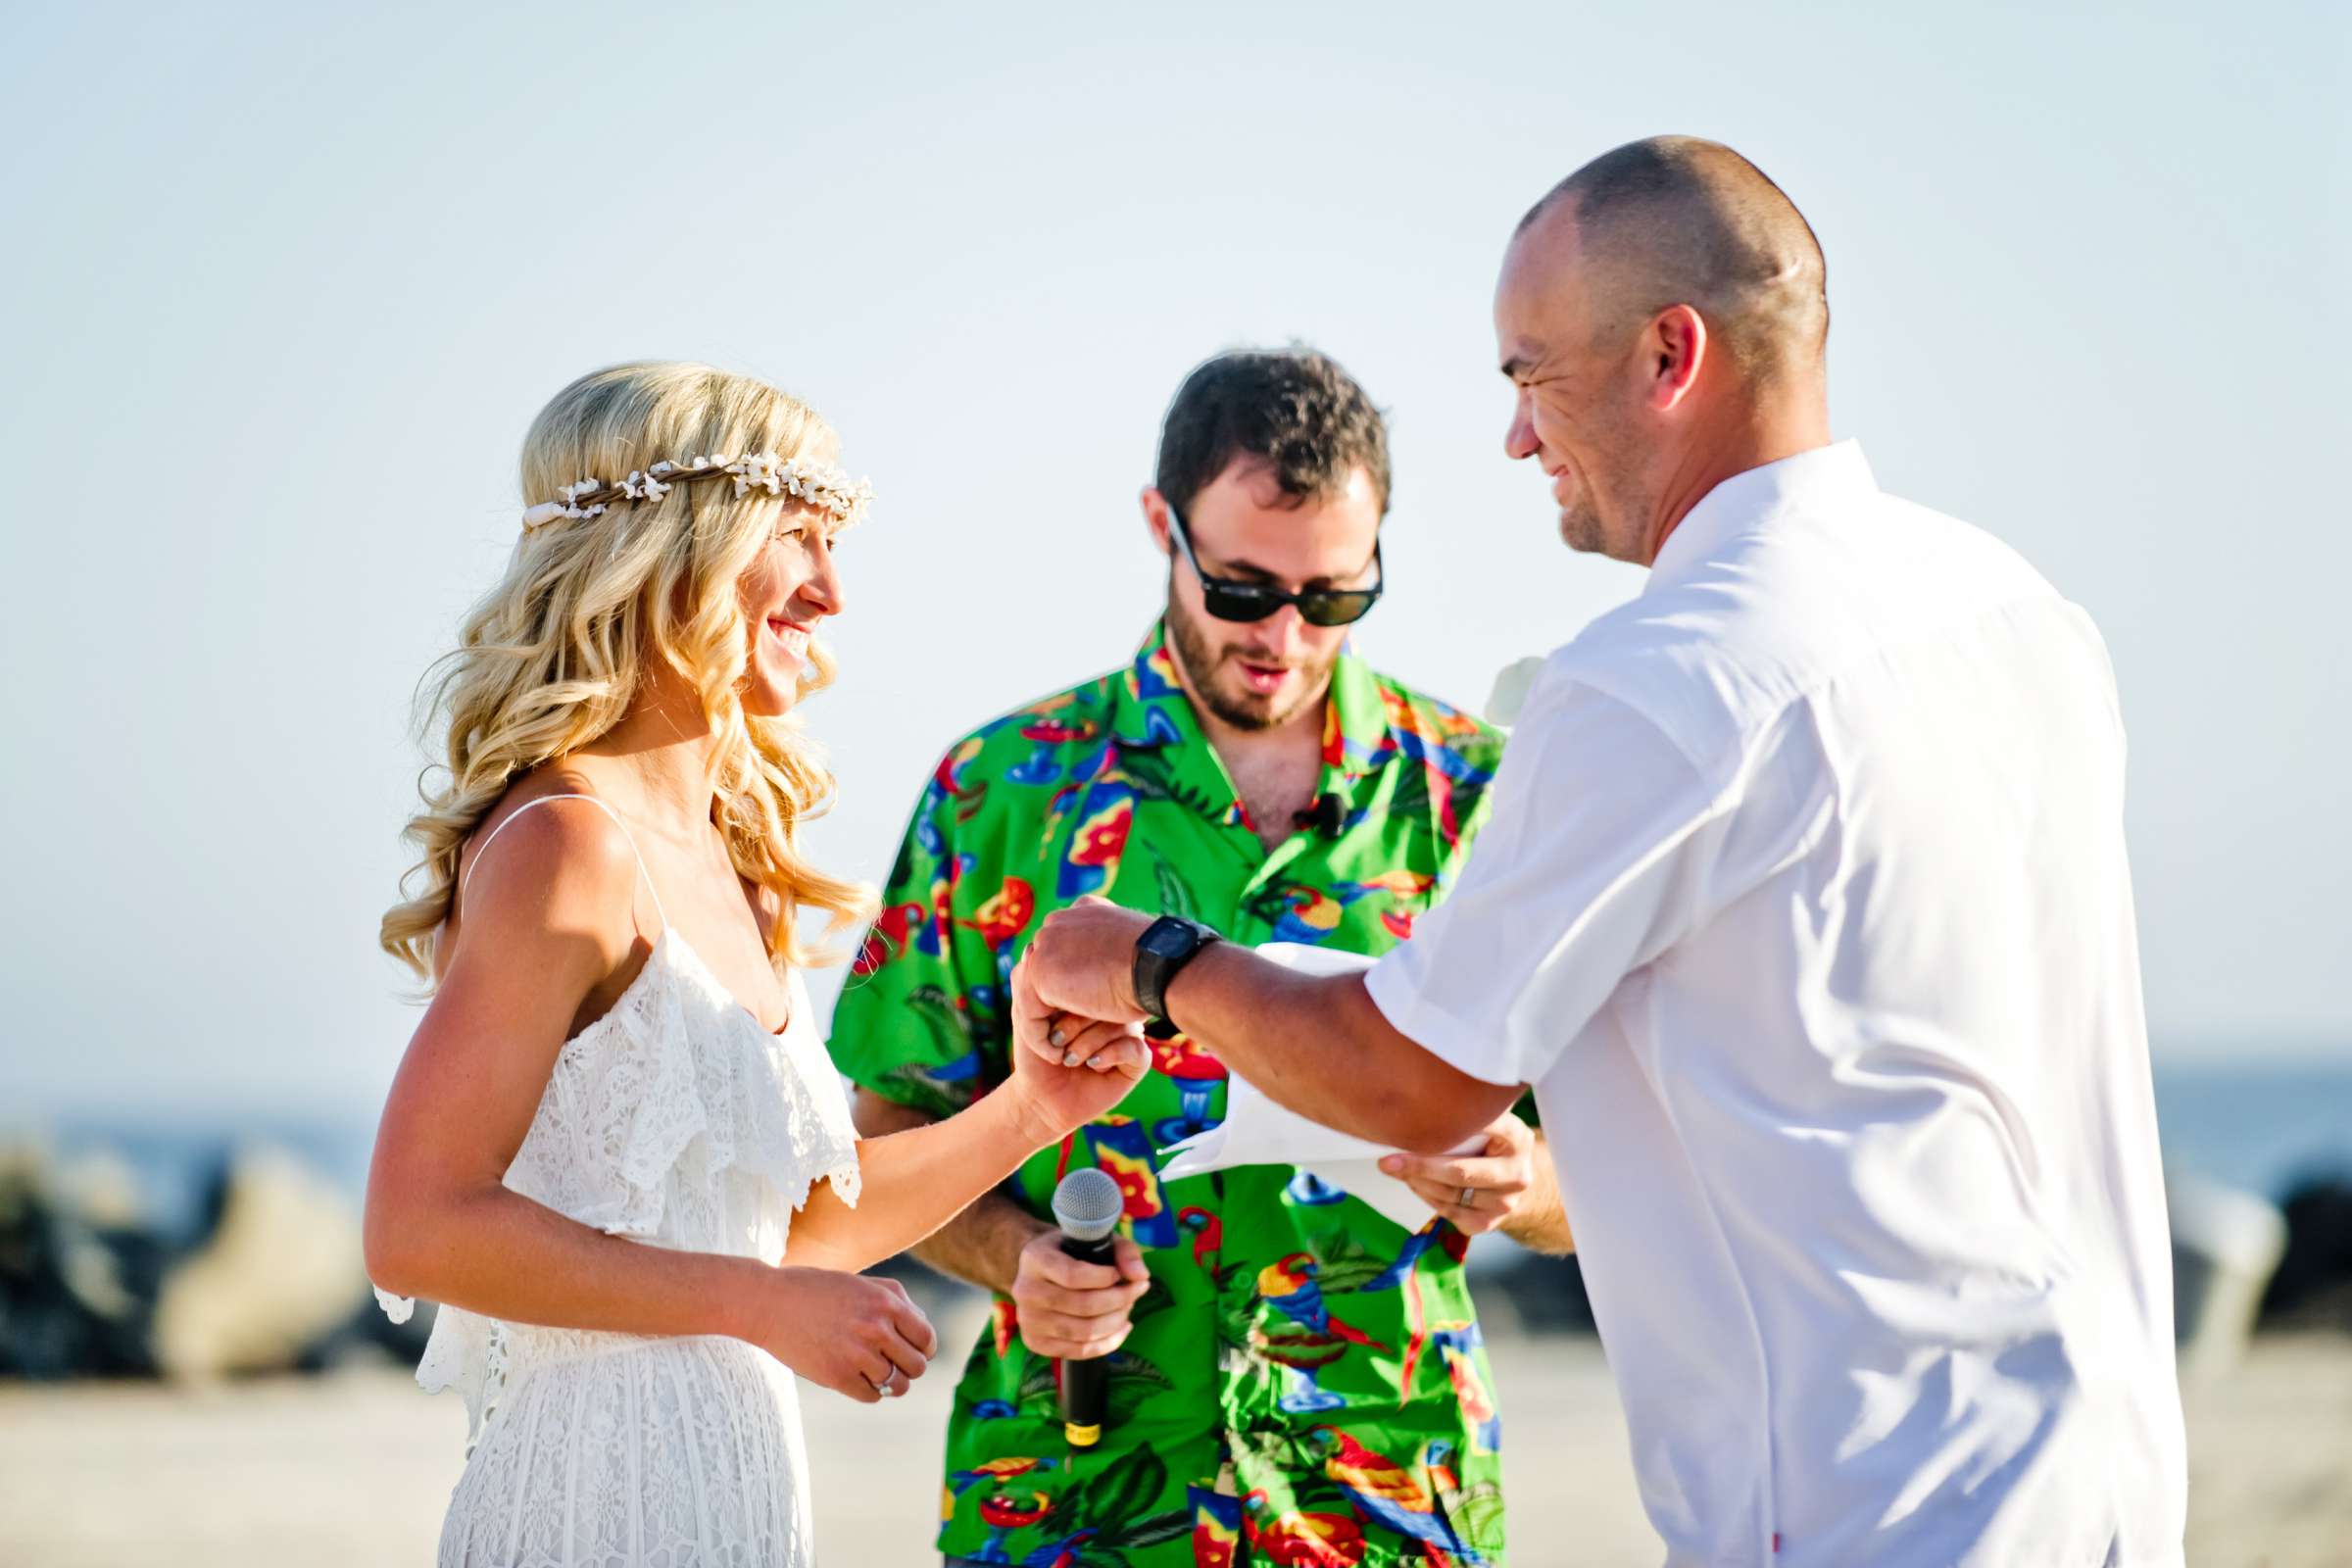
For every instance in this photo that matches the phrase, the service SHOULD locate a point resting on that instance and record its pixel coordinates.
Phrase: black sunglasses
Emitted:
(1228, 599)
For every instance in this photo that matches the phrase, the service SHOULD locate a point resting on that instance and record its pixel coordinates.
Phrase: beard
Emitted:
(1580, 527)
(1207, 669)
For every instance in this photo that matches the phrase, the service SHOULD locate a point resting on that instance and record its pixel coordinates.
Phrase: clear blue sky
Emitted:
(283, 287)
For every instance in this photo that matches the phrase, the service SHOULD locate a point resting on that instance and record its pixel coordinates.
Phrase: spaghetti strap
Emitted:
(484, 847)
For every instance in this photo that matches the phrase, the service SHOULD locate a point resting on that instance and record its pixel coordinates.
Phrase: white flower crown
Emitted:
(820, 485)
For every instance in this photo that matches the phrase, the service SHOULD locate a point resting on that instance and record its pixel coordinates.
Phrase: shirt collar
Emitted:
(1746, 499)
(1149, 706)
(1355, 718)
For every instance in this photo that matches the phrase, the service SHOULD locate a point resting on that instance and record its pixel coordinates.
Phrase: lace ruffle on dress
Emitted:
(677, 1121)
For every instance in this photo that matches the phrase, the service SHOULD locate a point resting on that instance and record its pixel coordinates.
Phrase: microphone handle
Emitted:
(1086, 1383)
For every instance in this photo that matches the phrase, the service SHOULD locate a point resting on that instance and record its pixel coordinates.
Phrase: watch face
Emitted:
(1168, 940)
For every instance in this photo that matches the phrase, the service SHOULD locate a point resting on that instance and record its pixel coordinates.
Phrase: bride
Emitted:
(617, 1110)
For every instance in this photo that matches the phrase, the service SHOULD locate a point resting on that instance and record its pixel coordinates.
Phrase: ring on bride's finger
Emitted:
(1468, 1199)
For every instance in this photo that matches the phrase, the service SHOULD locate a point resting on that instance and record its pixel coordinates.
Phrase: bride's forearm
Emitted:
(913, 1182)
(500, 1254)
(503, 1255)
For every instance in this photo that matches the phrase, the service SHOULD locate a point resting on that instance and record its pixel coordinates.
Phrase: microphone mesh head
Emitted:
(1088, 1204)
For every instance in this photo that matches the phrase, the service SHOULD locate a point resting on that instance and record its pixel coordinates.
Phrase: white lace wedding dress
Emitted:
(677, 1121)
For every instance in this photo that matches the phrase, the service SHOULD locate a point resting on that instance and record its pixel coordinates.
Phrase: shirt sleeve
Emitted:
(920, 1018)
(1589, 868)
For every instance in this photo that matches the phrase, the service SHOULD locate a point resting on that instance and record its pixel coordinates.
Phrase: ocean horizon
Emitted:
(2266, 1127)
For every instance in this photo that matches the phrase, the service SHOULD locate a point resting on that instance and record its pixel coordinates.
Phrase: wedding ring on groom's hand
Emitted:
(1466, 1201)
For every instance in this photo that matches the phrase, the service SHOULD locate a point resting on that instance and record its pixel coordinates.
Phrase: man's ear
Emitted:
(1676, 348)
(1155, 517)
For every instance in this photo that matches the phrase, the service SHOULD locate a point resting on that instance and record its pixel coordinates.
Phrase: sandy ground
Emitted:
(353, 1469)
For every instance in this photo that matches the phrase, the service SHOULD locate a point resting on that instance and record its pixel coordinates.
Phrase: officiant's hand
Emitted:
(1507, 1185)
(1070, 1070)
(1075, 1311)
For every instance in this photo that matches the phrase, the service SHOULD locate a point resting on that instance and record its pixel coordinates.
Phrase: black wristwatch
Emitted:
(1166, 946)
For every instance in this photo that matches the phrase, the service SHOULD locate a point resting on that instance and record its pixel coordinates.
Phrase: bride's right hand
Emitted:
(860, 1337)
(1069, 1070)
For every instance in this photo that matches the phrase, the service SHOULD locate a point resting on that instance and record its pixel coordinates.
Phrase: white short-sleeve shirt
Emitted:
(1804, 909)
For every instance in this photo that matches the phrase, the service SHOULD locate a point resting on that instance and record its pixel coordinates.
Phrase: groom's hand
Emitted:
(1081, 962)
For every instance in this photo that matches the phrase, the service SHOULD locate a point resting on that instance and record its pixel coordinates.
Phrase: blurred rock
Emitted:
(2313, 1286)
(2225, 1243)
(282, 1271)
(99, 1188)
(76, 1299)
(368, 1337)
(1532, 1292)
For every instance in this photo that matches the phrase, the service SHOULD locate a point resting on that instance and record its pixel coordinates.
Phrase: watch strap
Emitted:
(1154, 969)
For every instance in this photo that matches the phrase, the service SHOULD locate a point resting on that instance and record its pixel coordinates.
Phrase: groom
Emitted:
(1804, 909)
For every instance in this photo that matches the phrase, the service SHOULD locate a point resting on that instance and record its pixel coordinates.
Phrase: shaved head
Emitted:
(1661, 314)
(1677, 220)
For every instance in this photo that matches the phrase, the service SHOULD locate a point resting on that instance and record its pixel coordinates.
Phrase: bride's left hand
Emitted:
(1070, 1081)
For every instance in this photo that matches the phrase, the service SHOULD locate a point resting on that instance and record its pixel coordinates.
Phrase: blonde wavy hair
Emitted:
(554, 656)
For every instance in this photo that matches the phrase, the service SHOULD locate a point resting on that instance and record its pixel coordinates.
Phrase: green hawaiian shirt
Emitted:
(1304, 1382)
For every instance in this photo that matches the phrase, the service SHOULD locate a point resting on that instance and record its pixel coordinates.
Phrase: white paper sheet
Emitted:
(1256, 1130)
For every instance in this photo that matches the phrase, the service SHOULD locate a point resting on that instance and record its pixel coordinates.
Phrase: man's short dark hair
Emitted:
(1293, 410)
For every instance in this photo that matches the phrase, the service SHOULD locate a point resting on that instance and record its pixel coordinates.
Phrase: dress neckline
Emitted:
(709, 975)
(669, 933)
(666, 947)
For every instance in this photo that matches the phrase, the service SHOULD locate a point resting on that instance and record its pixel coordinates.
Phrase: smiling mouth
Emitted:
(794, 640)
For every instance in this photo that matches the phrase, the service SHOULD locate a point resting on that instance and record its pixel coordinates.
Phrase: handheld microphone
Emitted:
(1088, 1207)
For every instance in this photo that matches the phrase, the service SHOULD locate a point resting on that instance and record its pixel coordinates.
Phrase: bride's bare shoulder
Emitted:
(545, 859)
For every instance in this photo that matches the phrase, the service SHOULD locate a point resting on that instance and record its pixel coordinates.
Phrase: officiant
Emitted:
(1285, 1360)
